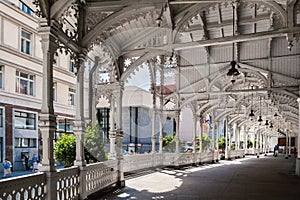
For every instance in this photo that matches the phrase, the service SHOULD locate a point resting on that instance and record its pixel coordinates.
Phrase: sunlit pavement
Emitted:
(247, 178)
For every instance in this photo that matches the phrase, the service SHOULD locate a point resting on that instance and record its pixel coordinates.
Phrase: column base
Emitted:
(297, 166)
(48, 168)
(290, 155)
(120, 184)
(112, 156)
(80, 163)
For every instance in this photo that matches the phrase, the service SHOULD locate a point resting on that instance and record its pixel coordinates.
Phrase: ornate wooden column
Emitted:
(234, 130)
(213, 141)
(160, 133)
(177, 140)
(79, 123)
(201, 135)
(194, 131)
(93, 91)
(226, 139)
(153, 137)
(47, 119)
(258, 144)
(217, 139)
(246, 130)
(161, 98)
(290, 140)
(265, 144)
(119, 133)
(298, 143)
(286, 143)
(238, 137)
(112, 131)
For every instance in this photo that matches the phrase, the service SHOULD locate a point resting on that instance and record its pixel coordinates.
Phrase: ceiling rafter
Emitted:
(112, 19)
(59, 7)
(44, 5)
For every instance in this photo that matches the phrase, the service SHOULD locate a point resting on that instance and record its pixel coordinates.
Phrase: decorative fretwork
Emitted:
(93, 18)
(69, 20)
(37, 5)
(128, 61)
(116, 26)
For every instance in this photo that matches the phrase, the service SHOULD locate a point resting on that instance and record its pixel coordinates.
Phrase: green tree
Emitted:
(169, 143)
(94, 148)
(249, 143)
(65, 149)
(232, 146)
(221, 142)
(205, 142)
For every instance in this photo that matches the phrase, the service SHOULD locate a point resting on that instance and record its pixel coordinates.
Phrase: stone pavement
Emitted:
(248, 178)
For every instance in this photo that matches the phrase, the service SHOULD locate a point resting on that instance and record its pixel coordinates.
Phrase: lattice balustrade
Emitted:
(24, 187)
(186, 159)
(139, 161)
(95, 177)
(100, 175)
(68, 183)
(168, 159)
(206, 157)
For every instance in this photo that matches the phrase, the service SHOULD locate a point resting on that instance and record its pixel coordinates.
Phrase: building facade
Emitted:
(21, 80)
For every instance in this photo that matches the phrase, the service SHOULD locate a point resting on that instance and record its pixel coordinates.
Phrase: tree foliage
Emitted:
(94, 145)
(249, 143)
(206, 141)
(65, 149)
(169, 143)
(221, 142)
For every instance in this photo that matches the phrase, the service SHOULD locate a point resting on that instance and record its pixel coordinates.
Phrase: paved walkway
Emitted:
(243, 179)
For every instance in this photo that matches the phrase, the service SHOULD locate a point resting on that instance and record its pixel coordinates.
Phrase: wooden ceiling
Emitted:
(205, 35)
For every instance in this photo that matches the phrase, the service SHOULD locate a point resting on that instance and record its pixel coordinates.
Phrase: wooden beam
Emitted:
(110, 20)
(59, 7)
(44, 6)
(218, 41)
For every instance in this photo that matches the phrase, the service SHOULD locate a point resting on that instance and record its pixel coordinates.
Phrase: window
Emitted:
(65, 126)
(72, 96)
(103, 119)
(24, 120)
(25, 142)
(25, 83)
(25, 42)
(26, 9)
(1, 149)
(1, 117)
(1, 77)
(72, 66)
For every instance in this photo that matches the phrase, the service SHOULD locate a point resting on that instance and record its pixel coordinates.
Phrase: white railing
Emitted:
(67, 182)
(236, 153)
(100, 175)
(250, 151)
(186, 159)
(24, 187)
(138, 161)
(79, 182)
